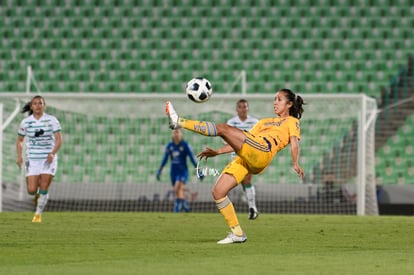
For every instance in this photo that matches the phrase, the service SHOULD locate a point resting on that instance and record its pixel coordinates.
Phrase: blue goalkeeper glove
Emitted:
(159, 175)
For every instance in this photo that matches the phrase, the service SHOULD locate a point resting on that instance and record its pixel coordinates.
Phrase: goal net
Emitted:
(113, 145)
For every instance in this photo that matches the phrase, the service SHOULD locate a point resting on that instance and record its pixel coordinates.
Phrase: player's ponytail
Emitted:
(26, 107)
(297, 108)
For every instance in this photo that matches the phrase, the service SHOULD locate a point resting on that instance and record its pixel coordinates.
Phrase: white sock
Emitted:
(41, 203)
(251, 197)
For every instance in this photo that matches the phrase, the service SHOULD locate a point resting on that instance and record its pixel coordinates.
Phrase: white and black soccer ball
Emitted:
(199, 89)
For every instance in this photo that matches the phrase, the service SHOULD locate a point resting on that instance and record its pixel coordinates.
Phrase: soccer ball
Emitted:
(199, 89)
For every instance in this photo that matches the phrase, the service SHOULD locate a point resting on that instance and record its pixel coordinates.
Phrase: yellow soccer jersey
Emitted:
(279, 129)
(256, 153)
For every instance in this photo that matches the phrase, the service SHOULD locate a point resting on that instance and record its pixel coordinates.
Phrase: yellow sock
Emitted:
(237, 230)
(202, 127)
(226, 208)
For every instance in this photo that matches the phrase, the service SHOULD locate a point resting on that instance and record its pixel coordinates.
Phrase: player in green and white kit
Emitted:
(245, 122)
(42, 133)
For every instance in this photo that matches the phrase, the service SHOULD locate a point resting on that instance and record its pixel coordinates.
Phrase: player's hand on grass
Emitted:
(207, 153)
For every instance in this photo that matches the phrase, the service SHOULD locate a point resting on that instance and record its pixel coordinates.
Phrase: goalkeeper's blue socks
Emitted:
(178, 205)
(181, 204)
(186, 206)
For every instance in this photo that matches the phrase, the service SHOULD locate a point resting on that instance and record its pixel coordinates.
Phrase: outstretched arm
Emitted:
(163, 163)
(191, 155)
(294, 150)
(208, 152)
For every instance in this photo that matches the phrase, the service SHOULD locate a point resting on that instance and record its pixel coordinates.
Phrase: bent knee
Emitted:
(216, 195)
(32, 191)
(223, 186)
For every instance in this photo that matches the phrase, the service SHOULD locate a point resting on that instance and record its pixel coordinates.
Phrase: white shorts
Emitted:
(37, 167)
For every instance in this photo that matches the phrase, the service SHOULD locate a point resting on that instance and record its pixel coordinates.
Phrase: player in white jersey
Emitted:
(42, 133)
(245, 122)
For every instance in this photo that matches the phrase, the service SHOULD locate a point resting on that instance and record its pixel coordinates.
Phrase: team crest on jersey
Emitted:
(47, 123)
(280, 122)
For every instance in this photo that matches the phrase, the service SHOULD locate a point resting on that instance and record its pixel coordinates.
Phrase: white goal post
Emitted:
(113, 145)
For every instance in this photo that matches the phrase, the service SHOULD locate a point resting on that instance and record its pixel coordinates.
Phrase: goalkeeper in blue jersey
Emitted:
(178, 150)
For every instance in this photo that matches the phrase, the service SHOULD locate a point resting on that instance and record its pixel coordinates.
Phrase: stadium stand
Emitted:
(156, 46)
(394, 155)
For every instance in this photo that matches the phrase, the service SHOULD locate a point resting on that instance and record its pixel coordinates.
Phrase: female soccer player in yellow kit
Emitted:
(255, 150)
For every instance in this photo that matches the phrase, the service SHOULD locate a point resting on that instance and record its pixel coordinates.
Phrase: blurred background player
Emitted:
(178, 150)
(43, 140)
(245, 122)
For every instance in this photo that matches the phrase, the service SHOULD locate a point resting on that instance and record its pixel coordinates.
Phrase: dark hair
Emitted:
(26, 107)
(242, 100)
(296, 110)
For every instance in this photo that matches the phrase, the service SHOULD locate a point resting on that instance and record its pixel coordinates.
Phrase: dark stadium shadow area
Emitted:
(396, 209)
(271, 207)
(401, 209)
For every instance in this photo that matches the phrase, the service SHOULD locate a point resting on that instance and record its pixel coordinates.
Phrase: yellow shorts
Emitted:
(254, 156)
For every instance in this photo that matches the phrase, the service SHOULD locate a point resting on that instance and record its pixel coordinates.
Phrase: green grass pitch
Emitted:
(168, 243)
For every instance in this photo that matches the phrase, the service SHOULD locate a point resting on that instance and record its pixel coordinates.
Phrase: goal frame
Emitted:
(366, 121)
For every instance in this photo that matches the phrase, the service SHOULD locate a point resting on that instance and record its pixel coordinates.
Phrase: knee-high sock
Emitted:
(186, 206)
(251, 196)
(226, 208)
(42, 201)
(202, 127)
(178, 205)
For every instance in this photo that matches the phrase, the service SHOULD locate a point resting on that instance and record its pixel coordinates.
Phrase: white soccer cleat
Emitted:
(172, 115)
(231, 238)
